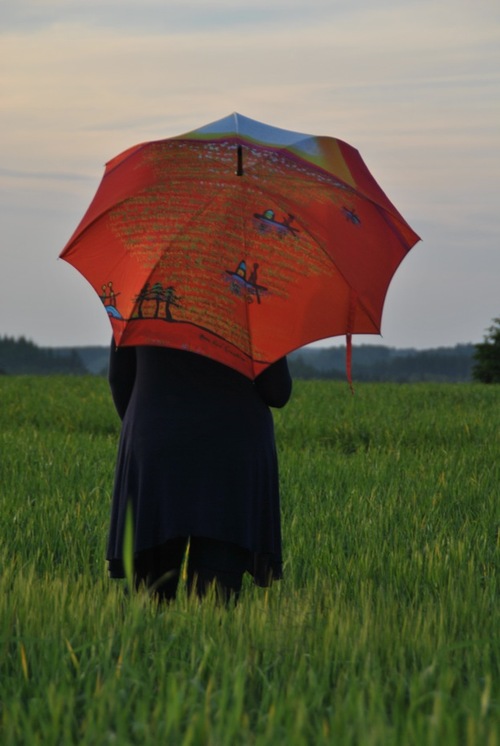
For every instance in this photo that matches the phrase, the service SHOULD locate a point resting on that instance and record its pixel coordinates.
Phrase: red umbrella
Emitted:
(241, 242)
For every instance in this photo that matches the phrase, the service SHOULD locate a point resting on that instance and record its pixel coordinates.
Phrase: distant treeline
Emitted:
(378, 363)
(22, 357)
(369, 362)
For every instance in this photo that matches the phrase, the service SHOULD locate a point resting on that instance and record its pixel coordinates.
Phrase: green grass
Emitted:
(384, 632)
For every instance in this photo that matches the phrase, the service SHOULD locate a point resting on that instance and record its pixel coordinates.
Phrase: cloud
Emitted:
(192, 15)
(395, 81)
(43, 175)
(410, 86)
(165, 15)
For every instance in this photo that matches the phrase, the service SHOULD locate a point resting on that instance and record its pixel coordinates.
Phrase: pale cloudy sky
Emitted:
(414, 85)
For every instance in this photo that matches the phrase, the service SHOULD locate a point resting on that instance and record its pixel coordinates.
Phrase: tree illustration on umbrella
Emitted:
(170, 299)
(158, 294)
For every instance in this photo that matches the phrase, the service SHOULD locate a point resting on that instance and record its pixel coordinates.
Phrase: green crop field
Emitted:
(384, 632)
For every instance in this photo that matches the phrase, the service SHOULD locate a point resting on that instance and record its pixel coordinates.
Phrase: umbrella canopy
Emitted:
(240, 241)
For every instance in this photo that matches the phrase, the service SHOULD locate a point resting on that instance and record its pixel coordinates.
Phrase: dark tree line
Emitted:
(22, 357)
(377, 363)
(487, 356)
(480, 362)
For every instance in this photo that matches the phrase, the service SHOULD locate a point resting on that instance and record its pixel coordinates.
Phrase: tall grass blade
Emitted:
(128, 546)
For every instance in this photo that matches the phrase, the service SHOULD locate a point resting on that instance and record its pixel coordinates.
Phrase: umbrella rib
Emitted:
(193, 218)
(247, 305)
(80, 232)
(383, 214)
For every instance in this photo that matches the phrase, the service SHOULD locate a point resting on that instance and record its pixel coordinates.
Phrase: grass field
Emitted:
(385, 631)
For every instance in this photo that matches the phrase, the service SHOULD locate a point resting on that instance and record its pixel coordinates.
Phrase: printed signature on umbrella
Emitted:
(222, 345)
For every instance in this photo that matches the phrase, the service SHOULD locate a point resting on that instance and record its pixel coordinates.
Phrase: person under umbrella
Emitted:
(216, 253)
(197, 462)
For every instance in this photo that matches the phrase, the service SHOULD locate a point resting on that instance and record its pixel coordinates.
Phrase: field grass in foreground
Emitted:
(384, 632)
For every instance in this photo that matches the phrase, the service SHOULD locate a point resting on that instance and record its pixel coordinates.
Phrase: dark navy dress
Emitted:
(197, 454)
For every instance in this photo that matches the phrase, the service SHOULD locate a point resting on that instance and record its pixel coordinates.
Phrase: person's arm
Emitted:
(275, 384)
(121, 376)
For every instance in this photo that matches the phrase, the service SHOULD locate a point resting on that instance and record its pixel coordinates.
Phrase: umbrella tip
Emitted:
(239, 168)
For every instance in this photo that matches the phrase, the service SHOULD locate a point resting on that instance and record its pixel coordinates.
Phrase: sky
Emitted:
(413, 85)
